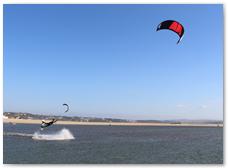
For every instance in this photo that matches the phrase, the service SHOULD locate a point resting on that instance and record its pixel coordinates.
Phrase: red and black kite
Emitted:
(174, 26)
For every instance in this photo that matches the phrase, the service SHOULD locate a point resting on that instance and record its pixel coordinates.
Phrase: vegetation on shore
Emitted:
(21, 115)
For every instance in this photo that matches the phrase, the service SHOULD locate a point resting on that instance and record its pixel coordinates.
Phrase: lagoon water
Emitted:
(75, 144)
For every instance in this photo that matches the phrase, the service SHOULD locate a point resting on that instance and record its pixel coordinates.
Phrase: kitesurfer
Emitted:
(43, 124)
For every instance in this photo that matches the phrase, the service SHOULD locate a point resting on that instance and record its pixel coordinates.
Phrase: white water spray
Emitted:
(64, 134)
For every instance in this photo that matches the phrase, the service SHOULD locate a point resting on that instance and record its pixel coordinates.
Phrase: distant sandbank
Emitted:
(24, 121)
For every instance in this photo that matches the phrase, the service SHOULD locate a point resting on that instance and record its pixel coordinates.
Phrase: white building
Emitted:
(5, 117)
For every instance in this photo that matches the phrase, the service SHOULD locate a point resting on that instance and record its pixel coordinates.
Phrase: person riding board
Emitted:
(43, 124)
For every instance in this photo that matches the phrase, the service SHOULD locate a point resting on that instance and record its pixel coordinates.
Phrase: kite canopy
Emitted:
(67, 107)
(174, 26)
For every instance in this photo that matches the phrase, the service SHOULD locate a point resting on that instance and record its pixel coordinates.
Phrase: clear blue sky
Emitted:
(109, 61)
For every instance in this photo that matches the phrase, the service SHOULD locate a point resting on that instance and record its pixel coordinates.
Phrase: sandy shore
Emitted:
(23, 121)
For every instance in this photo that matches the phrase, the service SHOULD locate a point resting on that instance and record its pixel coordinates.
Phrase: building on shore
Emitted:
(5, 117)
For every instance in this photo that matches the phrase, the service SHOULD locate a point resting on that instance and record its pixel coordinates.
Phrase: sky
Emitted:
(109, 61)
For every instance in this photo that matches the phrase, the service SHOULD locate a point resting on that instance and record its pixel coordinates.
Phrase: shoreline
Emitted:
(24, 121)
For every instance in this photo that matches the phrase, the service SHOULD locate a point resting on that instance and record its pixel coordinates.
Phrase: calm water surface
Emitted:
(26, 144)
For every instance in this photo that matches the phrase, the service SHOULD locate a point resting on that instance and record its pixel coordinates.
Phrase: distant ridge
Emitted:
(96, 119)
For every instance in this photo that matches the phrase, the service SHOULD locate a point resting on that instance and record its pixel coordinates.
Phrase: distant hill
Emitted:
(183, 121)
(95, 119)
(22, 115)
